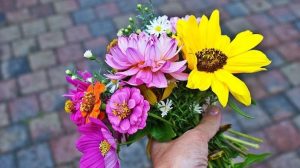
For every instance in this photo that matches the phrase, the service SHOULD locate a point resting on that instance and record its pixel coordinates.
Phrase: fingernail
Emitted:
(214, 111)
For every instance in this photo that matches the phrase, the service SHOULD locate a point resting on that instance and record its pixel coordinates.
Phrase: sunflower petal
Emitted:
(222, 44)
(203, 32)
(243, 42)
(248, 62)
(221, 91)
(213, 29)
(237, 87)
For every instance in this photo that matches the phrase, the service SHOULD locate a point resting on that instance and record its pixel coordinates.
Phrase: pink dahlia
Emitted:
(127, 110)
(146, 59)
(97, 145)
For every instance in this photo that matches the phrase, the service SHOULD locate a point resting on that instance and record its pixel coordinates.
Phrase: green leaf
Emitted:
(251, 159)
(253, 102)
(162, 132)
(238, 110)
(138, 135)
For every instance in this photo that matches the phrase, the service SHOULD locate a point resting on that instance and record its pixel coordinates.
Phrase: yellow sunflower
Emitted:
(213, 58)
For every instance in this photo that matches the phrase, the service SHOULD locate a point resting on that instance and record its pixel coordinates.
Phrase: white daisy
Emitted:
(195, 107)
(159, 26)
(165, 107)
(88, 54)
(113, 85)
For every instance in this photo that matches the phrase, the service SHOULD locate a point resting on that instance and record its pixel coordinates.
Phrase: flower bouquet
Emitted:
(163, 75)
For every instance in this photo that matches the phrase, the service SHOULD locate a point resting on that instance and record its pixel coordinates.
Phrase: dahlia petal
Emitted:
(123, 43)
(134, 54)
(180, 76)
(134, 81)
(173, 66)
(129, 72)
(145, 76)
(158, 80)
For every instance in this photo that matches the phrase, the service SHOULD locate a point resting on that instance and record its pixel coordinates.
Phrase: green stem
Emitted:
(256, 146)
(258, 140)
(160, 118)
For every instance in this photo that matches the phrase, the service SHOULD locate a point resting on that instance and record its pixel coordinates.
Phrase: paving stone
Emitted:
(229, 117)
(278, 107)
(33, 28)
(31, 83)
(6, 5)
(294, 96)
(70, 53)
(239, 24)
(295, 8)
(258, 5)
(290, 160)
(90, 3)
(270, 40)
(106, 10)
(27, 3)
(17, 16)
(47, 1)
(4, 119)
(42, 59)
(15, 67)
(53, 100)
(8, 89)
(296, 121)
(279, 2)
(65, 6)
(265, 146)
(67, 124)
(51, 40)
(286, 32)
(291, 71)
(13, 137)
(2, 18)
(42, 11)
(237, 9)
(282, 14)
(8, 34)
(255, 87)
(84, 16)
(5, 52)
(194, 6)
(261, 21)
(57, 22)
(77, 33)
(96, 45)
(45, 127)
(290, 50)
(122, 20)
(274, 81)
(24, 47)
(101, 27)
(284, 136)
(276, 58)
(38, 156)
(173, 8)
(23, 108)
(64, 149)
(57, 76)
(261, 118)
(8, 160)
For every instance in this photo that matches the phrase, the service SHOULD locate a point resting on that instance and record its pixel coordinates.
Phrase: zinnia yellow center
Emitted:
(69, 106)
(104, 147)
(88, 102)
(210, 59)
(122, 110)
(158, 28)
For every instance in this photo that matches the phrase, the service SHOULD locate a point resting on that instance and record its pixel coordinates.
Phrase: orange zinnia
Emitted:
(91, 102)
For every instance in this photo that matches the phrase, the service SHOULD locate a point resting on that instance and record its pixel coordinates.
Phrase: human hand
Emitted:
(191, 149)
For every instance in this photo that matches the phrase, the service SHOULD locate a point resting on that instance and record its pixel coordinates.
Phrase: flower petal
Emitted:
(213, 29)
(221, 91)
(200, 80)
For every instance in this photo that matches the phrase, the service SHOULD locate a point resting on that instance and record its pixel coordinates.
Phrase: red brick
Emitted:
(79, 33)
(284, 136)
(274, 81)
(255, 87)
(286, 32)
(64, 149)
(70, 53)
(107, 10)
(290, 50)
(8, 89)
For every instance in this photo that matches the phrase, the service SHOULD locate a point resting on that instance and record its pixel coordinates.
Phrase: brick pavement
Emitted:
(39, 39)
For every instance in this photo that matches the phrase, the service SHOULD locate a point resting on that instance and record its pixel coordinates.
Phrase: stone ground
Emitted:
(39, 39)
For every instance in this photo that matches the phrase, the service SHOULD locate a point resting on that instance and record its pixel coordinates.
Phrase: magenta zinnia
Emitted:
(145, 59)
(97, 145)
(127, 110)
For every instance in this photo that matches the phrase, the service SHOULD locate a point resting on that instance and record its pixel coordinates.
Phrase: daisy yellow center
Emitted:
(210, 59)
(69, 106)
(104, 147)
(122, 110)
(88, 102)
(157, 28)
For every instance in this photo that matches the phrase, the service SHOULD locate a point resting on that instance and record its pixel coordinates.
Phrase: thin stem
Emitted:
(256, 146)
(160, 118)
(258, 140)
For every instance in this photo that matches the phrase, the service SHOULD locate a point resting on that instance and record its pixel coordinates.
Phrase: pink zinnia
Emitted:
(127, 110)
(98, 146)
(146, 59)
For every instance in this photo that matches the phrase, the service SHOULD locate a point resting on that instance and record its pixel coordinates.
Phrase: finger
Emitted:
(210, 122)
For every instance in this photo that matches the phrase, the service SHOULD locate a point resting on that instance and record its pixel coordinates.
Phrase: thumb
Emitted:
(210, 122)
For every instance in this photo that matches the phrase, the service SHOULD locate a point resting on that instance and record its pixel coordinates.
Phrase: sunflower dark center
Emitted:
(210, 60)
